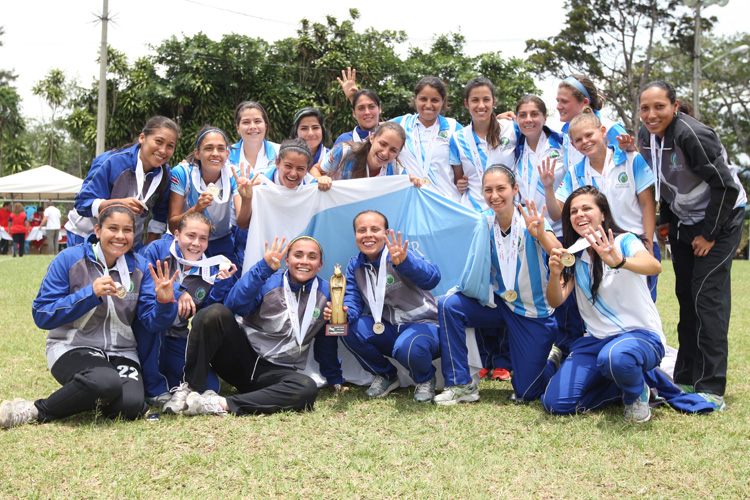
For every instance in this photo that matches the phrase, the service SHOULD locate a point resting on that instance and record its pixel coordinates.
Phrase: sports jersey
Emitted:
(356, 135)
(571, 156)
(266, 157)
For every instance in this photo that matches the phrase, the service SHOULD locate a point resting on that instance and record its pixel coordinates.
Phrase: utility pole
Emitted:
(696, 61)
(101, 115)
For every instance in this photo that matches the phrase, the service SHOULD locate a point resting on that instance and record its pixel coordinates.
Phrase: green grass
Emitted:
(350, 447)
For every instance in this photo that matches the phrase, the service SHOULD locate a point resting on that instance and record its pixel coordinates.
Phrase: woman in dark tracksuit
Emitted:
(701, 204)
(90, 299)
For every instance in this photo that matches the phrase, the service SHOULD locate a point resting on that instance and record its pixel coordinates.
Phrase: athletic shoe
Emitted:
(715, 399)
(159, 400)
(17, 412)
(689, 389)
(500, 374)
(381, 387)
(425, 392)
(176, 403)
(639, 412)
(466, 393)
(483, 373)
(208, 403)
(555, 355)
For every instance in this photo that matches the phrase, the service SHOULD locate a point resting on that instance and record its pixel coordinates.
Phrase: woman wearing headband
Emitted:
(91, 298)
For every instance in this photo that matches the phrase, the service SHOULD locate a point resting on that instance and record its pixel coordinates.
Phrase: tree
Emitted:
(53, 90)
(14, 157)
(611, 41)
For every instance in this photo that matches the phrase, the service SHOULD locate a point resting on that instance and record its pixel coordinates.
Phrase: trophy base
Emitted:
(333, 330)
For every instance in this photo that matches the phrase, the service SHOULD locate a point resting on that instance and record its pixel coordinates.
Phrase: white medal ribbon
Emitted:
(200, 185)
(476, 159)
(656, 157)
(121, 265)
(140, 179)
(528, 172)
(507, 250)
(582, 244)
(588, 172)
(292, 307)
(375, 292)
(423, 157)
(204, 264)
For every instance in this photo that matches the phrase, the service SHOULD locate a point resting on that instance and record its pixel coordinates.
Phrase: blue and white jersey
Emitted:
(472, 153)
(266, 157)
(219, 213)
(623, 178)
(339, 164)
(550, 145)
(426, 152)
(572, 156)
(623, 300)
(532, 274)
(356, 135)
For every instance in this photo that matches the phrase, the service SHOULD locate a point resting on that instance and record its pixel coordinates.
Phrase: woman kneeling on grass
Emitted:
(90, 299)
(623, 336)
(260, 352)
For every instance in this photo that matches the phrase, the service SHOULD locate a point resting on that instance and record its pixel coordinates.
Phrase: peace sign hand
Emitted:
(534, 220)
(397, 250)
(547, 171)
(277, 252)
(605, 247)
(163, 285)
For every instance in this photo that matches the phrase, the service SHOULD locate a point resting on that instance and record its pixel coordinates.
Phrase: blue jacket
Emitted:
(258, 297)
(75, 317)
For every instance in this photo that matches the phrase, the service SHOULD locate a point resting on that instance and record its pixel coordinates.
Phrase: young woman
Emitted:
(366, 110)
(390, 309)
(428, 133)
(292, 168)
(373, 157)
(208, 184)
(202, 281)
(17, 226)
(253, 151)
(624, 178)
(624, 337)
(485, 141)
(520, 244)
(309, 125)
(91, 297)
(261, 352)
(701, 208)
(136, 176)
(573, 94)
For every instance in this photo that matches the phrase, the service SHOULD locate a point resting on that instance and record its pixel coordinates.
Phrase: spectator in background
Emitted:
(4, 216)
(52, 220)
(16, 227)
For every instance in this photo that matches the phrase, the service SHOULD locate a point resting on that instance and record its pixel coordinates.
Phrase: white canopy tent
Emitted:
(39, 184)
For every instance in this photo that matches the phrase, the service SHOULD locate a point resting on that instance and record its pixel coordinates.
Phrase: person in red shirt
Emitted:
(4, 215)
(17, 225)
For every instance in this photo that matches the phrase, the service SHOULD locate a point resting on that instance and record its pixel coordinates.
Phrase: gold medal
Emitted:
(568, 259)
(378, 328)
(426, 182)
(121, 291)
(511, 295)
(212, 189)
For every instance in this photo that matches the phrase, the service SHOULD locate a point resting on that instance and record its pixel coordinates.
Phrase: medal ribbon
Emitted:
(528, 172)
(423, 157)
(588, 171)
(656, 158)
(121, 265)
(292, 307)
(200, 185)
(140, 178)
(507, 250)
(375, 291)
(204, 264)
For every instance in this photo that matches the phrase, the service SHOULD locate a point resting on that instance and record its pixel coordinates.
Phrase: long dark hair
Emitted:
(570, 236)
(493, 134)
(360, 150)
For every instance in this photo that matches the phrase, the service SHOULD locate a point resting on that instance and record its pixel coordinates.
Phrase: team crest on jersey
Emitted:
(623, 177)
(154, 198)
(504, 141)
(389, 279)
(674, 158)
(316, 312)
(132, 286)
(443, 134)
(554, 154)
(200, 293)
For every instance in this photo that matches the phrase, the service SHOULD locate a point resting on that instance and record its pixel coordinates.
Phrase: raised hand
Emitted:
(348, 82)
(245, 184)
(604, 244)
(396, 249)
(534, 219)
(626, 142)
(547, 171)
(275, 253)
(163, 284)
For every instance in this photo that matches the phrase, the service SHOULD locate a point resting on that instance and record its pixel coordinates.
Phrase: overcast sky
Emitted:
(45, 34)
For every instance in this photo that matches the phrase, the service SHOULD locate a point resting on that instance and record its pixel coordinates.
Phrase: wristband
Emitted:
(624, 260)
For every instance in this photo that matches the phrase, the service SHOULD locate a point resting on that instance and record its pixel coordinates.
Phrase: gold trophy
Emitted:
(338, 326)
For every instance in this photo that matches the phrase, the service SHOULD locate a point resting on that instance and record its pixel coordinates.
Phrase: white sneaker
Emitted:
(17, 412)
(639, 412)
(466, 393)
(208, 403)
(176, 403)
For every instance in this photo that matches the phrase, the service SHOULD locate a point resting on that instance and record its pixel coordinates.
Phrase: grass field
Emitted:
(350, 447)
